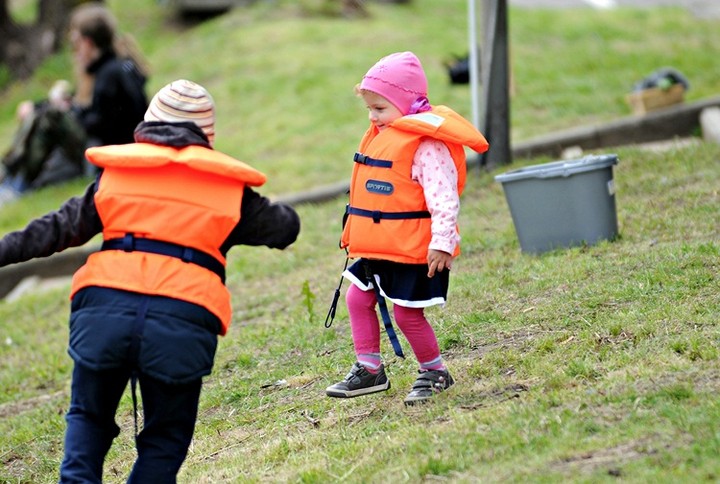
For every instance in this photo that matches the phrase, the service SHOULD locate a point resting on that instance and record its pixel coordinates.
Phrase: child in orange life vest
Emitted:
(149, 305)
(401, 223)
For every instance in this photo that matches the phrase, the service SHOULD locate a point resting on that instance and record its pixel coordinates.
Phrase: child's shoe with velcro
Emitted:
(359, 382)
(429, 383)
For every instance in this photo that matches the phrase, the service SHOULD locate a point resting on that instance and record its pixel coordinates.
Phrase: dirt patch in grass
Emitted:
(700, 380)
(495, 396)
(612, 458)
(16, 408)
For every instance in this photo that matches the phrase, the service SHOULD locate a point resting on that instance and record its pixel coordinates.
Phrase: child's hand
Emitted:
(438, 261)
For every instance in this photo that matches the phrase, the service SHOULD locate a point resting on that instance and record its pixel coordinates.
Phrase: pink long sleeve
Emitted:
(433, 168)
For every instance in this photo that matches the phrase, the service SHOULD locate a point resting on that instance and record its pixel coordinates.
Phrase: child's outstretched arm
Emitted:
(262, 222)
(74, 224)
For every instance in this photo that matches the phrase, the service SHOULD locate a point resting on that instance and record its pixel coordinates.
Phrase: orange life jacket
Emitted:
(387, 217)
(188, 198)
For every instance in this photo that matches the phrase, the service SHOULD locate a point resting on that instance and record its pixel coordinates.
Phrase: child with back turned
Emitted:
(147, 308)
(401, 223)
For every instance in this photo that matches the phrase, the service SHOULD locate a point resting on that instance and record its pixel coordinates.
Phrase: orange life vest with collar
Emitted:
(387, 217)
(187, 198)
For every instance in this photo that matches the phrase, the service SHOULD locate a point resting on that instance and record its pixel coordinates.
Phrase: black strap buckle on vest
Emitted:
(366, 160)
(377, 215)
(130, 243)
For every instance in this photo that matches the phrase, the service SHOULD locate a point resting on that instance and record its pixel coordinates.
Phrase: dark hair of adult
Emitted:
(94, 21)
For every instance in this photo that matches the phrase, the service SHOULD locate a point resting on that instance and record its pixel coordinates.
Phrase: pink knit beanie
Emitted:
(400, 79)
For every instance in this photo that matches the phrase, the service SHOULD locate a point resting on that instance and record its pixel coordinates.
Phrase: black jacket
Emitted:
(118, 102)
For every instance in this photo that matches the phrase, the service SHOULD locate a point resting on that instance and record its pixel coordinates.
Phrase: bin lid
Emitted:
(560, 168)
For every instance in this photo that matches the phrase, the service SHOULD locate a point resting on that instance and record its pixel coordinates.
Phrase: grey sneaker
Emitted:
(359, 382)
(429, 383)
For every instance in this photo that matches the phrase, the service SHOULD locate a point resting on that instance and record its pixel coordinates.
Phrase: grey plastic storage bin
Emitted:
(563, 203)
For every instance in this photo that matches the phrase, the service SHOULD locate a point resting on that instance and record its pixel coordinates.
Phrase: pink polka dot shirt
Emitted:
(433, 168)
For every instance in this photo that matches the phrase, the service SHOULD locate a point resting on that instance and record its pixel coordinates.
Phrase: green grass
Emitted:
(578, 365)
(283, 79)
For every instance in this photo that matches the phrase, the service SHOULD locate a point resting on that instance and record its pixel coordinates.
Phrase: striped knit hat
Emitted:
(183, 100)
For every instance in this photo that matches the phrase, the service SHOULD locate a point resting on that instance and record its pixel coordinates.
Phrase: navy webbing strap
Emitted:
(387, 322)
(377, 215)
(130, 243)
(366, 160)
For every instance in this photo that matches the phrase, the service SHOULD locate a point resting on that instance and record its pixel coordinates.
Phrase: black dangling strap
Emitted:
(134, 354)
(336, 297)
(133, 392)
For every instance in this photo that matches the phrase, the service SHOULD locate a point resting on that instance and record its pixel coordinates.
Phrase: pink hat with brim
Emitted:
(399, 78)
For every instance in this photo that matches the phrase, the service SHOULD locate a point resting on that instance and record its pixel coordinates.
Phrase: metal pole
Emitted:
(495, 80)
(473, 53)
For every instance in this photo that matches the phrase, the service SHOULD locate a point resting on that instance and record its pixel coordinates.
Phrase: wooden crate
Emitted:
(655, 98)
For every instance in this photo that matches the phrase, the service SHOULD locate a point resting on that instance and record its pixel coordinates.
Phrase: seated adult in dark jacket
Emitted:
(150, 304)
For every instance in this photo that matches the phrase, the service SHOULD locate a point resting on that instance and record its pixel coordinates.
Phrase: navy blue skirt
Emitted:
(406, 285)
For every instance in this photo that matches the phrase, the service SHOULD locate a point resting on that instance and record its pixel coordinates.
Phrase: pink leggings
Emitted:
(366, 326)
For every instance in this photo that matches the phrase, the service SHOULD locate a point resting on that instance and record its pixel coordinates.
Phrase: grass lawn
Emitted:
(583, 365)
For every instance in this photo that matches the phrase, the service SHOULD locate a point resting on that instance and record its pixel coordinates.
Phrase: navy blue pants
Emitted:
(169, 411)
